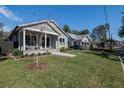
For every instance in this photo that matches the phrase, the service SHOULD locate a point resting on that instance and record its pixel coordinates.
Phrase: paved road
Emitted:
(121, 54)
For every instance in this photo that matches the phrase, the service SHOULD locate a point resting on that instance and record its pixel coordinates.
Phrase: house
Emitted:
(79, 40)
(37, 37)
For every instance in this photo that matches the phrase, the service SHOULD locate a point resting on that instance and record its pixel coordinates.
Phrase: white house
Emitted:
(40, 36)
(37, 37)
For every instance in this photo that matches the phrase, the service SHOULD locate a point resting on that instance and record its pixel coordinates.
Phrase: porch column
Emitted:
(19, 45)
(40, 42)
(23, 39)
(37, 41)
(58, 43)
(45, 40)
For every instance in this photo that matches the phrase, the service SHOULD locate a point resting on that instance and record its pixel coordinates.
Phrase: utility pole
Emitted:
(106, 19)
(111, 41)
(110, 34)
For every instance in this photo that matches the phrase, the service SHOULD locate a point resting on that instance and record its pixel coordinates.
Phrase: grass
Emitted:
(84, 70)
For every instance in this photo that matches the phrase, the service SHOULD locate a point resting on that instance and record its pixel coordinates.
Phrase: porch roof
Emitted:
(44, 31)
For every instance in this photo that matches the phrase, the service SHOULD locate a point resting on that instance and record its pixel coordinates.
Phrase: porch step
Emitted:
(29, 52)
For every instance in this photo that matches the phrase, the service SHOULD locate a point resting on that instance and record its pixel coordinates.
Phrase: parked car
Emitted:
(77, 47)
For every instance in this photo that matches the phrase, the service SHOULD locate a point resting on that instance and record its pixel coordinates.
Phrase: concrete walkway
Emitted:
(62, 54)
(52, 51)
(120, 52)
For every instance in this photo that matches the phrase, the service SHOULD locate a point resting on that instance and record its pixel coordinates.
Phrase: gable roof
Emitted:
(73, 36)
(17, 28)
(78, 37)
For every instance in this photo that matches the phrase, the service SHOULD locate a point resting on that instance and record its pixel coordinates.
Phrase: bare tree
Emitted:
(1, 31)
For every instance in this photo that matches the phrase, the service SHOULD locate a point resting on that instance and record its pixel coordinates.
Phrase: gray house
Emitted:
(79, 40)
(39, 36)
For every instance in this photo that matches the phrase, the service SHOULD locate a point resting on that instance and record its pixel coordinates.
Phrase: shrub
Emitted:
(4, 54)
(0, 50)
(26, 55)
(33, 54)
(22, 56)
(49, 53)
(44, 53)
(62, 49)
(39, 54)
(16, 52)
(69, 48)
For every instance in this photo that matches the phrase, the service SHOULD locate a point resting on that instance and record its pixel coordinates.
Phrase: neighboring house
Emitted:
(118, 44)
(79, 40)
(42, 35)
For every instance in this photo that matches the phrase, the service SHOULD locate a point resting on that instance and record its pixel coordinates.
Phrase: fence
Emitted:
(6, 47)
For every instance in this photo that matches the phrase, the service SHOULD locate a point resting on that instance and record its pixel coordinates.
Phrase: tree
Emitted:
(93, 35)
(6, 35)
(121, 30)
(85, 31)
(1, 31)
(76, 32)
(66, 28)
(99, 33)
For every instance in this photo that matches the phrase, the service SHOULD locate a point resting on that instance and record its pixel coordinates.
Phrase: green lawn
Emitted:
(84, 70)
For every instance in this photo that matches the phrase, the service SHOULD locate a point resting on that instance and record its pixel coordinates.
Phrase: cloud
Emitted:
(9, 14)
(7, 29)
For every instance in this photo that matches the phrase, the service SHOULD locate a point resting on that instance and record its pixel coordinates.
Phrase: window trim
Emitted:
(62, 41)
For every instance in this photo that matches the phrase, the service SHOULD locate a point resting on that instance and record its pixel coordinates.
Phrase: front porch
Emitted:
(52, 51)
(39, 51)
(37, 41)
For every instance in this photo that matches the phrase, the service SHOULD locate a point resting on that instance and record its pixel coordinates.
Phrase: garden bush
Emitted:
(26, 55)
(39, 54)
(16, 52)
(49, 53)
(0, 50)
(33, 54)
(62, 49)
(44, 53)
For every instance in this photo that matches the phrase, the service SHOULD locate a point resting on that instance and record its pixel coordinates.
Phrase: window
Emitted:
(27, 39)
(62, 41)
(33, 40)
(30, 40)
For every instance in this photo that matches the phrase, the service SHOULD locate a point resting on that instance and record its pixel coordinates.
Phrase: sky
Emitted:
(77, 17)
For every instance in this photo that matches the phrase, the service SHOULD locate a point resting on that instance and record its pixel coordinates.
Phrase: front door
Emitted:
(47, 42)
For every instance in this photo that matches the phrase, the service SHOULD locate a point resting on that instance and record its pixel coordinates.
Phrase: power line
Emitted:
(106, 19)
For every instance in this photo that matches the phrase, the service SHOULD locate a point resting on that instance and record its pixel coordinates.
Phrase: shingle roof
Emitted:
(73, 36)
(38, 22)
(77, 37)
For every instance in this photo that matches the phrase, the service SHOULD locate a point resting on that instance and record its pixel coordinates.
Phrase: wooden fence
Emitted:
(6, 47)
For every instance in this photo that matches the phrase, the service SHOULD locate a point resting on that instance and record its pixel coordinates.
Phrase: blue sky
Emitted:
(77, 17)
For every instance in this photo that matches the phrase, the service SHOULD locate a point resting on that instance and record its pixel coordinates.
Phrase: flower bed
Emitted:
(35, 66)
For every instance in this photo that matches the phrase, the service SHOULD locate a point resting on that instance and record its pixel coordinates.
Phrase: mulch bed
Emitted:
(35, 66)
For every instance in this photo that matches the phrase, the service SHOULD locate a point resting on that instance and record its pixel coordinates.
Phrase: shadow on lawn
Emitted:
(3, 58)
(104, 54)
